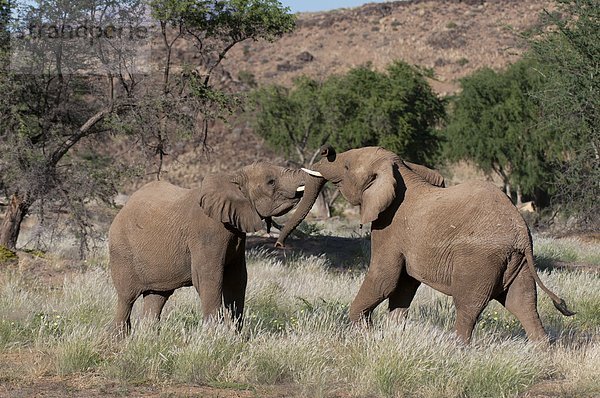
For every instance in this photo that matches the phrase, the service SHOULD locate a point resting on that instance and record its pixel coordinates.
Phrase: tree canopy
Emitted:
(495, 123)
(79, 73)
(395, 108)
(535, 124)
(568, 47)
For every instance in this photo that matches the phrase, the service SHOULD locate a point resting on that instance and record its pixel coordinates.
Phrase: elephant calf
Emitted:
(467, 241)
(167, 237)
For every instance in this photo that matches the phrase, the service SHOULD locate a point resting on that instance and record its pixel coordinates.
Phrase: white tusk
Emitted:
(300, 189)
(312, 172)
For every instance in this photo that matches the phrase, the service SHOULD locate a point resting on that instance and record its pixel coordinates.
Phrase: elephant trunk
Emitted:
(312, 188)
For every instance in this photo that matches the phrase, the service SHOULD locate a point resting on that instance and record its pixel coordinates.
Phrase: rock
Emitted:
(287, 66)
(527, 207)
(305, 56)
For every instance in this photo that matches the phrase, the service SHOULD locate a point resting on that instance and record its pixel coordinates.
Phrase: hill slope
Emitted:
(453, 38)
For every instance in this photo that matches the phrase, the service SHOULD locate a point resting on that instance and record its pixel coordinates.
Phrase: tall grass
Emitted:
(297, 333)
(549, 250)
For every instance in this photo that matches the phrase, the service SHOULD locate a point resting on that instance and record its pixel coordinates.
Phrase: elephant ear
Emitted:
(380, 192)
(431, 176)
(222, 199)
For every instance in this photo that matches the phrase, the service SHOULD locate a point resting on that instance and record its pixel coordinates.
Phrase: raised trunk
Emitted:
(11, 226)
(312, 188)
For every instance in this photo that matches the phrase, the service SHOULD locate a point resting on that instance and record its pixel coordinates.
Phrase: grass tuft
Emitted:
(79, 351)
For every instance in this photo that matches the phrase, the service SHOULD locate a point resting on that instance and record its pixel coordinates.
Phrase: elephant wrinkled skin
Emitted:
(167, 237)
(467, 241)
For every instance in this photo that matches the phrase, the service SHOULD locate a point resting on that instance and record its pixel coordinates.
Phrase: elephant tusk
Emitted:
(300, 189)
(312, 172)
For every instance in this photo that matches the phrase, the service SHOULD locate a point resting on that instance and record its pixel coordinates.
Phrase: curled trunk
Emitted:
(313, 186)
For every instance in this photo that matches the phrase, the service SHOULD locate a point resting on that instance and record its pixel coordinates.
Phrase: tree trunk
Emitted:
(507, 190)
(321, 207)
(519, 196)
(11, 226)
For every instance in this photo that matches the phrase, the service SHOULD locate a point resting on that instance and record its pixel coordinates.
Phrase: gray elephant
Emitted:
(167, 237)
(467, 241)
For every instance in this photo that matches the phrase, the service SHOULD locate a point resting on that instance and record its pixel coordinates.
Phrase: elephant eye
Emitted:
(271, 182)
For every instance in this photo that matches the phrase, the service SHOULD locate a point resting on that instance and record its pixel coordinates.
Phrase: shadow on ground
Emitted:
(341, 252)
(344, 253)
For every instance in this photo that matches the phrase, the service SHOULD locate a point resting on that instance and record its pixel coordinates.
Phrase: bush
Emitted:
(396, 109)
(7, 255)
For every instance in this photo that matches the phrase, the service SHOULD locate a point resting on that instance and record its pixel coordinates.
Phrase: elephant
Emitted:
(467, 241)
(167, 237)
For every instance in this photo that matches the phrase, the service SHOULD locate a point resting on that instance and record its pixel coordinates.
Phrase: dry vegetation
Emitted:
(55, 337)
(452, 38)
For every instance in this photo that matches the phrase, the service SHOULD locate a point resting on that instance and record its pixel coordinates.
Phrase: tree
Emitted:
(494, 123)
(536, 124)
(64, 102)
(395, 108)
(4, 33)
(568, 47)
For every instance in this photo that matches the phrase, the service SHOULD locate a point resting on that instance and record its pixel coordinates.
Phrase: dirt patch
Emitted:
(92, 385)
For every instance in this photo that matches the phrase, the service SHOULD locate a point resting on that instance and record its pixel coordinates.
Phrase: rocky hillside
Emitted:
(451, 37)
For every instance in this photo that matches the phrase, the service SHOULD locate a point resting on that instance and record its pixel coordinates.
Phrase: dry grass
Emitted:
(296, 337)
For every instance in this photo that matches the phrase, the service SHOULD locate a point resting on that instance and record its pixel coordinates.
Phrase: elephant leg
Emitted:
(207, 277)
(402, 296)
(381, 280)
(521, 300)
(234, 290)
(126, 285)
(122, 320)
(467, 312)
(471, 292)
(154, 303)
(210, 292)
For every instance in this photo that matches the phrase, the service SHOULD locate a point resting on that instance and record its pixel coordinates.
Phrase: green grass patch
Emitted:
(145, 356)
(207, 355)
(7, 255)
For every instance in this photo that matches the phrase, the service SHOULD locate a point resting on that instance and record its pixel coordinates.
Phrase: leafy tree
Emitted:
(4, 33)
(395, 108)
(568, 48)
(536, 124)
(69, 97)
(494, 123)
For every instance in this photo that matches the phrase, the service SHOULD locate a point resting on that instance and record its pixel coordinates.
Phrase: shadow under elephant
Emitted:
(342, 253)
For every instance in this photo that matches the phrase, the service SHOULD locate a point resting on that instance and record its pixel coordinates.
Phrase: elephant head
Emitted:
(252, 195)
(368, 177)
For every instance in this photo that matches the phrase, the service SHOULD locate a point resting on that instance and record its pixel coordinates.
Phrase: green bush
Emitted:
(396, 109)
(7, 255)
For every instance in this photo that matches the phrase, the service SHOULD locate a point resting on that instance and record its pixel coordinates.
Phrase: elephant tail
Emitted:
(559, 303)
